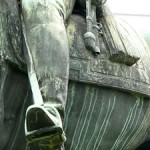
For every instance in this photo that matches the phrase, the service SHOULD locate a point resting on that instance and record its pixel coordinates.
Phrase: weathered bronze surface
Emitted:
(106, 100)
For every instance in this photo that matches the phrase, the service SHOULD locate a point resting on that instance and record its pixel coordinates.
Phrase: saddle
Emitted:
(123, 59)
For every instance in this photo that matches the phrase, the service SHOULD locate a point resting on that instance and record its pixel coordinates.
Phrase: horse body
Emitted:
(108, 99)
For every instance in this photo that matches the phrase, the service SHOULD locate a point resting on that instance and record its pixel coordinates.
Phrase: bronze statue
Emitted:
(108, 89)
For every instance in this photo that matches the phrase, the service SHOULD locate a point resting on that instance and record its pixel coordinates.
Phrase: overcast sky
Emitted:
(140, 23)
(130, 6)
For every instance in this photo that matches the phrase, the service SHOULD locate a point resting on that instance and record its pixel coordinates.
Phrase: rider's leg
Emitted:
(69, 4)
(47, 41)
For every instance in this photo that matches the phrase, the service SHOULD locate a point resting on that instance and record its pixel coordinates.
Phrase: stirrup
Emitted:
(49, 138)
(43, 129)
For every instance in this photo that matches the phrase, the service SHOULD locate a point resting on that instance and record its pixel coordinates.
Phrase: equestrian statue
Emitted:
(72, 77)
